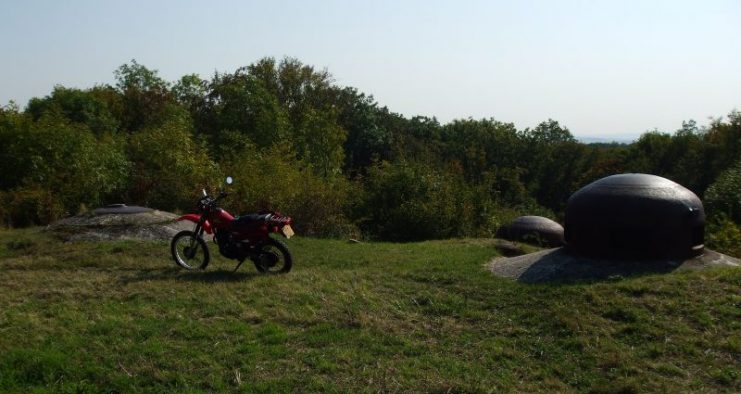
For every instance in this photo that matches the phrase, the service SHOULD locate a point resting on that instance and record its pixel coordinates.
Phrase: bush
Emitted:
(274, 179)
(28, 206)
(409, 202)
(61, 159)
(723, 235)
(169, 166)
(723, 197)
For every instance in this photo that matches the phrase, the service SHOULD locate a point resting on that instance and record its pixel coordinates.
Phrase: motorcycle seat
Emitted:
(250, 219)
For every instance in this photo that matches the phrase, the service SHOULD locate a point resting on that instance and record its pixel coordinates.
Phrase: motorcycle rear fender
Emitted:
(195, 218)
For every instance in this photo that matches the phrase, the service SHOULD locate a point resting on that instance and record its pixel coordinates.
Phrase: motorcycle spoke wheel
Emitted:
(274, 258)
(189, 251)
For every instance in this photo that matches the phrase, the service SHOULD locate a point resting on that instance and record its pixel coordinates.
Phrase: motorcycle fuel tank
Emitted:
(220, 218)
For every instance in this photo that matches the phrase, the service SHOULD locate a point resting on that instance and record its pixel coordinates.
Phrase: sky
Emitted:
(610, 69)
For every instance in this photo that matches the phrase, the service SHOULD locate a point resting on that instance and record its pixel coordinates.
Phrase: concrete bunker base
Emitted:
(141, 224)
(559, 266)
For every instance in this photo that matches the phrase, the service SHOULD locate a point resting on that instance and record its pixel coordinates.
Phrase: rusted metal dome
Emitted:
(533, 229)
(636, 216)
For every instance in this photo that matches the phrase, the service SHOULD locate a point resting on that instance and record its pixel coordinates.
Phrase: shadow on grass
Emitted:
(175, 274)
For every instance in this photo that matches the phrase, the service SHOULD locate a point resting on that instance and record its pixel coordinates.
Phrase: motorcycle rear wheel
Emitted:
(189, 250)
(274, 258)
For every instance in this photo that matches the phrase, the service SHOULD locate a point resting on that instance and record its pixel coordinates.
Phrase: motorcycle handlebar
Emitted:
(208, 201)
(221, 196)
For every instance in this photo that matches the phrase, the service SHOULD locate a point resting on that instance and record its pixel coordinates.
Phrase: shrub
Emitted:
(28, 206)
(723, 235)
(63, 160)
(274, 179)
(169, 166)
(724, 195)
(409, 201)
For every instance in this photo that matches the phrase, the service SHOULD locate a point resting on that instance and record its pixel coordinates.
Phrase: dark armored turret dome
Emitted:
(533, 229)
(637, 216)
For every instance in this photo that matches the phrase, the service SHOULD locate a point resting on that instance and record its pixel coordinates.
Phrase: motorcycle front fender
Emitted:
(195, 218)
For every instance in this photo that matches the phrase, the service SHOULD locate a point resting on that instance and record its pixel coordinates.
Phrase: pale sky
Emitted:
(601, 68)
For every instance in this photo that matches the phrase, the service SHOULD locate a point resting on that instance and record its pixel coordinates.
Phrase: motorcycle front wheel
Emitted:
(274, 258)
(189, 250)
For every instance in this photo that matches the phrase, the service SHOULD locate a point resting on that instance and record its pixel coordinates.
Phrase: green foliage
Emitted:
(60, 163)
(240, 103)
(138, 77)
(410, 201)
(681, 157)
(304, 145)
(549, 132)
(403, 202)
(29, 205)
(368, 140)
(481, 145)
(556, 164)
(723, 235)
(274, 179)
(69, 160)
(14, 129)
(319, 140)
(269, 103)
(723, 197)
(88, 107)
(169, 166)
(190, 90)
(147, 100)
(723, 145)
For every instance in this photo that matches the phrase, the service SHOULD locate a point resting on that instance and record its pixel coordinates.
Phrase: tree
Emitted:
(169, 166)
(723, 144)
(64, 160)
(411, 201)
(88, 107)
(549, 132)
(147, 99)
(273, 103)
(274, 179)
(555, 163)
(242, 105)
(723, 197)
(481, 145)
(319, 140)
(367, 140)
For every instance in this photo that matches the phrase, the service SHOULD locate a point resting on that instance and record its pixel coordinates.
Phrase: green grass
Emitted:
(120, 317)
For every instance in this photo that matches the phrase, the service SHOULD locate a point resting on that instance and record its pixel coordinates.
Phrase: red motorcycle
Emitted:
(247, 236)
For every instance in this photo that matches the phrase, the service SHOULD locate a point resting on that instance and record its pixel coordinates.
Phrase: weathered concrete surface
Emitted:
(508, 248)
(556, 265)
(122, 209)
(151, 225)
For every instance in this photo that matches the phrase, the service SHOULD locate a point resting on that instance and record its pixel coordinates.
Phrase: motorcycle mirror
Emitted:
(229, 180)
(204, 192)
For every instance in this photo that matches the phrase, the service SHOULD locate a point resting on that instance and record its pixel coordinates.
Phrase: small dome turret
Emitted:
(533, 229)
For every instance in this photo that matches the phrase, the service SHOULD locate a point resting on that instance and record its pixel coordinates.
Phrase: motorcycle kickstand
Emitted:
(238, 265)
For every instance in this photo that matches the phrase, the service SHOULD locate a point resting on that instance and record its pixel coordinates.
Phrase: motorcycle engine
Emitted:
(227, 247)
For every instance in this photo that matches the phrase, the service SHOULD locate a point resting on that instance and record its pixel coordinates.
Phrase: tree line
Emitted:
(331, 156)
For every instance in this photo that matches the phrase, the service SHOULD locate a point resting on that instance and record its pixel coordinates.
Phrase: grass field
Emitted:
(369, 317)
